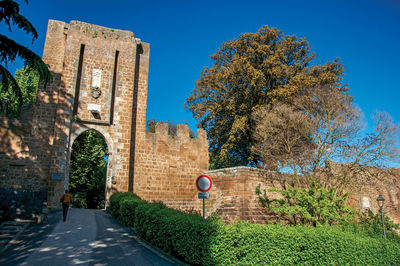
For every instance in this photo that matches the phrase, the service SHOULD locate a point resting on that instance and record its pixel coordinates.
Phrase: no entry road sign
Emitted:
(203, 183)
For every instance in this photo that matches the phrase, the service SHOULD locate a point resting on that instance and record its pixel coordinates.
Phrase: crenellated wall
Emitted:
(167, 166)
(100, 79)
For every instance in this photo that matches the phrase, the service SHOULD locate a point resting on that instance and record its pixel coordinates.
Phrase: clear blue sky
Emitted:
(365, 34)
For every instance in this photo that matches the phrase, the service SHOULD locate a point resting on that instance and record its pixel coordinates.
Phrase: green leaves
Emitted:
(9, 13)
(371, 224)
(186, 237)
(314, 205)
(249, 72)
(10, 50)
(116, 199)
(28, 82)
(88, 170)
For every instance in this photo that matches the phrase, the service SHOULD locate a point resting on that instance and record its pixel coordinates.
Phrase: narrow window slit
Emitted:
(114, 85)
(78, 81)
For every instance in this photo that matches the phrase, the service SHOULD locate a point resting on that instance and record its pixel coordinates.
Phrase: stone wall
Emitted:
(365, 190)
(100, 79)
(84, 60)
(233, 194)
(20, 156)
(167, 166)
(22, 203)
(114, 63)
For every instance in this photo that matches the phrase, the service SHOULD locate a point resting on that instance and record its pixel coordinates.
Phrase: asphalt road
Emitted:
(88, 237)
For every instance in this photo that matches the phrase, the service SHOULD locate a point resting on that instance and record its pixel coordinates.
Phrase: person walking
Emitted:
(66, 200)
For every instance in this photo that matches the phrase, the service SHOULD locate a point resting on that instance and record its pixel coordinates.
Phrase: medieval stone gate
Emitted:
(100, 83)
(100, 78)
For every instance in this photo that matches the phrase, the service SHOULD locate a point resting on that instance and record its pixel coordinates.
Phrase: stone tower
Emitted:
(99, 82)
(100, 78)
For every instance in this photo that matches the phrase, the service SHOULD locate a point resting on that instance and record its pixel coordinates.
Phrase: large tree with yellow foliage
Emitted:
(249, 72)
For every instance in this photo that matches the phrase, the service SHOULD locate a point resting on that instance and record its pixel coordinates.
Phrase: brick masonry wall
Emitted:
(117, 116)
(20, 156)
(154, 165)
(42, 142)
(167, 167)
(35, 150)
(29, 140)
(233, 194)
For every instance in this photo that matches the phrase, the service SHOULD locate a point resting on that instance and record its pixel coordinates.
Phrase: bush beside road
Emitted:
(188, 238)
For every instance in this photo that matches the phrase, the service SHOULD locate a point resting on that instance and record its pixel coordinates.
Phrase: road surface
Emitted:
(88, 237)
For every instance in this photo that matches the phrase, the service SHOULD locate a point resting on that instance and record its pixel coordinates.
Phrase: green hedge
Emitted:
(286, 245)
(115, 200)
(188, 238)
(127, 210)
(184, 236)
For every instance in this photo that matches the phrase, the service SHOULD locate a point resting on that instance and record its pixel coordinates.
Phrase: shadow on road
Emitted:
(30, 240)
(88, 237)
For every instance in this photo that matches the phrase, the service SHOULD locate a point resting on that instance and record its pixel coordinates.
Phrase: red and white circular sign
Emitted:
(203, 183)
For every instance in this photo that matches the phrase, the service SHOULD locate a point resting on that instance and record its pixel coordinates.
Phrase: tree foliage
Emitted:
(283, 137)
(28, 81)
(88, 170)
(314, 205)
(11, 50)
(248, 72)
(321, 129)
(319, 139)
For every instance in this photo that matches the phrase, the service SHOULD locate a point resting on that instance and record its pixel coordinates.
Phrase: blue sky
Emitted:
(183, 34)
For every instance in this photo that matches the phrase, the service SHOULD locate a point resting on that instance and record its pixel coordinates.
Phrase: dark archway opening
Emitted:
(88, 170)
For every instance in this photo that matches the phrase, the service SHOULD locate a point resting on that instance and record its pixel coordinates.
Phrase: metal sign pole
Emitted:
(204, 184)
(204, 211)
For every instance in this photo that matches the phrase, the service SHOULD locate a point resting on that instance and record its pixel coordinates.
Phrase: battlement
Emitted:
(182, 133)
(96, 31)
(179, 147)
(167, 165)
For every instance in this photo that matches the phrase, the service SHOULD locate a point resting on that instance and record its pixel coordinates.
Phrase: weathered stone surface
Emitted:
(234, 192)
(112, 99)
(24, 204)
(100, 78)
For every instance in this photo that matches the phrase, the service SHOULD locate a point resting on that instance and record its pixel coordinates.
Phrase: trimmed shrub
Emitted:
(127, 206)
(246, 243)
(115, 201)
(184, 236)
(188, 238)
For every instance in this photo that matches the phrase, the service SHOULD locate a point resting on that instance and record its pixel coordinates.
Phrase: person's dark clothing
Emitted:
(65, 211)
(66, 199)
